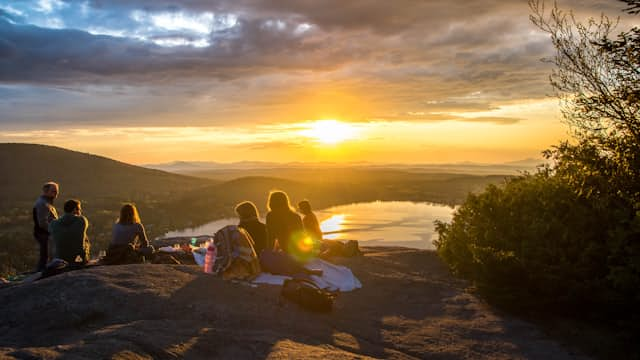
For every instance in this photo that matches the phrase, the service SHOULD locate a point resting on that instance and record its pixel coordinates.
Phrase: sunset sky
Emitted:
(402, 81)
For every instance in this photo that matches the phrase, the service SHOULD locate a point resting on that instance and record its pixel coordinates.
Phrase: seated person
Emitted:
(129, 241)
(249, 220)
(69, 234)
(283, 224)
(310, 222)
(128, 229)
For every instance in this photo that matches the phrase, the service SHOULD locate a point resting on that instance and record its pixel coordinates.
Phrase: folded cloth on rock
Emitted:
(266, 278)
(334, 277)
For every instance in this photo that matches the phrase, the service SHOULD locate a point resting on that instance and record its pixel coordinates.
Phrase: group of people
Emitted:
(65, 237)
(284, 229)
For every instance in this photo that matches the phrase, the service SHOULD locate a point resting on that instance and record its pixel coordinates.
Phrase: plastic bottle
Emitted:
(210, 258)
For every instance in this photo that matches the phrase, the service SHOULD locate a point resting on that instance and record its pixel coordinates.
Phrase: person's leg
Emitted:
(43, 242)
(281, 263)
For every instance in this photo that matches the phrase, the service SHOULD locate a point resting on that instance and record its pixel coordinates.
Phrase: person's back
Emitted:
(69, 234)
(310, 222)
(249, 220)
(134, 234)
(129, 229)
(43, 213)
(285, 226)
(258, 233)
(312, 227)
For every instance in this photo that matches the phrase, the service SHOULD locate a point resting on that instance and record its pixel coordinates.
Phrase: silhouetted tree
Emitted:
(597, 79)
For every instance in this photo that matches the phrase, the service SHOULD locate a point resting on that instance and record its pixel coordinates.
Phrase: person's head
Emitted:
(72, 206)
(50, 190)
(278, 201)
(129, 214)
(247, 210)
(305, 207)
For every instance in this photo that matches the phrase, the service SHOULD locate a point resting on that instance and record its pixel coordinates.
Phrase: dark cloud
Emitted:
(417, 56)
(33, 54)
(343, 33)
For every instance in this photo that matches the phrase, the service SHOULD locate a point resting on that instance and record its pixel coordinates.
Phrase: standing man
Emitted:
(69, 234)
(43, 214)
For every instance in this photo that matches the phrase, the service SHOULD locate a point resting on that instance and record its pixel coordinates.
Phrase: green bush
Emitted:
(536, 242)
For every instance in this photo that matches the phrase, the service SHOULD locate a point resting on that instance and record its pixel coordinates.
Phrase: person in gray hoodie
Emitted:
(69, 234)
(43, 214)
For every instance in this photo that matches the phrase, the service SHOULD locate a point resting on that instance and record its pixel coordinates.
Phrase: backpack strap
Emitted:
(333, 294)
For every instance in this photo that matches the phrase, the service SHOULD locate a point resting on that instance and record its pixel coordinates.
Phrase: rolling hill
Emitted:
(25, 167)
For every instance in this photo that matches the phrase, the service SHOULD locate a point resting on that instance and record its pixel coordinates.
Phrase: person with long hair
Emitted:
(310, 222)
(284, 225)
(284, 228)
(250, 221)
(129, 229)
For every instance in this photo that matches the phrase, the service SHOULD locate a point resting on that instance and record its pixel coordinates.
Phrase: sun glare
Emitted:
(332, 226)
(329, 131)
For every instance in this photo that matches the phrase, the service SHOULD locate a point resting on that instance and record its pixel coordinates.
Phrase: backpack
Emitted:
(351, 248)
(235, 256)
(308, 295)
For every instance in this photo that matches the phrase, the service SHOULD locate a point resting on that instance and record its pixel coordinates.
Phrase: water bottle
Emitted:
(210, 258)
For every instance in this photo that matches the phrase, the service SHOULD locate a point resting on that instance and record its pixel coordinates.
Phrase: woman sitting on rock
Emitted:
(286, 233)
(284, 225)
(129, 243)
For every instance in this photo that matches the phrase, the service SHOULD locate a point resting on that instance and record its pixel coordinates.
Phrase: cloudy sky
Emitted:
(410, 81)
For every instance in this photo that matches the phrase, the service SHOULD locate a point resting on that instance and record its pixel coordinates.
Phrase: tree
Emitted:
(597, 79)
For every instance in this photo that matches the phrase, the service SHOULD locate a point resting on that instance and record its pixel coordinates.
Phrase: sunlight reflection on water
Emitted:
(399, 223)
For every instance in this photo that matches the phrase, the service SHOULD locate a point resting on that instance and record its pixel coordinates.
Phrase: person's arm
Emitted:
(86, 247)
(298, 226)
(142, 236)
(44, 215)
(271, 236)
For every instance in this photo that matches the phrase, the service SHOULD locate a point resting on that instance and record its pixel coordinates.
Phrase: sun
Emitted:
(329, 131)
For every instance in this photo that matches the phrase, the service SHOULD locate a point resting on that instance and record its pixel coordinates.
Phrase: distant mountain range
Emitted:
(195, 167)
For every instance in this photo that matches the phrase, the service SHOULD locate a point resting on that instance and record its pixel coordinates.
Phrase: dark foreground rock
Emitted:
(409, 307)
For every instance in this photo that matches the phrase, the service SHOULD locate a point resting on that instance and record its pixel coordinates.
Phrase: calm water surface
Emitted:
(388, 223)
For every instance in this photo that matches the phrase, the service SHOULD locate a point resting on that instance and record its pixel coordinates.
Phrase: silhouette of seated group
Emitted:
(280, 246)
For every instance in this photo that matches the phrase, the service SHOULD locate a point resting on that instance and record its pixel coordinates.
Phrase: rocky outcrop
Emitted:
(409, 307)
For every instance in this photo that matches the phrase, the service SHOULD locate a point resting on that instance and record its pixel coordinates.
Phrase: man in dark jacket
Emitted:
(69, 234)
(43, 214)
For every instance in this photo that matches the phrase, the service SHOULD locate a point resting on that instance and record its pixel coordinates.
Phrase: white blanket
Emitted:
(334, 277)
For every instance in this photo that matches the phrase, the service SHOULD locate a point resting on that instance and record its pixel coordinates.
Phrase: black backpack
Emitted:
(308, 295)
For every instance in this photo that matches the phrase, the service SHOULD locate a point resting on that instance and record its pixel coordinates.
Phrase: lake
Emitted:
(378, 223)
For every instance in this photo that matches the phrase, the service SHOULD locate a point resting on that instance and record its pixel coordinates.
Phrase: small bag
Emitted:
(308, 295)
